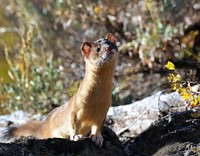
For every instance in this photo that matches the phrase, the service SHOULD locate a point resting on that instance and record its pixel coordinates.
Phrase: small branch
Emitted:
(132, 123)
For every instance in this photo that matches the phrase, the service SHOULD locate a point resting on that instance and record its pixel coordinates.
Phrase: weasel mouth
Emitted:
(108, 48)
(106, 55)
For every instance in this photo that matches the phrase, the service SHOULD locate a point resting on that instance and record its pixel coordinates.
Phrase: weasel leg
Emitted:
(74, 133)
(78, 137)
(96, 136)
(97, 139)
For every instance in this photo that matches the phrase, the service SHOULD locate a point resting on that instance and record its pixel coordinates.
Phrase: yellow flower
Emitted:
(198, 98)
(97, 9)
(185, 95)
(170, 66)
(194, 101)
(171, 77)
(174, 86)
(178, 78)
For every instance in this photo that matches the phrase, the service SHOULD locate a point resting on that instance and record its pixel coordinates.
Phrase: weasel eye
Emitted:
(98, 49)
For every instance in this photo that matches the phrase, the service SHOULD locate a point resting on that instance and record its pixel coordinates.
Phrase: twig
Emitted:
(127, 127)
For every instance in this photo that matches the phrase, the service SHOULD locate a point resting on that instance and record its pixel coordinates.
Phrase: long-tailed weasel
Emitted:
(85, 112)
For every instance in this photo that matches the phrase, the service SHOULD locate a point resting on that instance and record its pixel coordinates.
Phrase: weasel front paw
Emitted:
(77, 137)
(97, 139)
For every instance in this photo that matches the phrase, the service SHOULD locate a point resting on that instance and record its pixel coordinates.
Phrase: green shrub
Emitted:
(40, 93)
(36, 82)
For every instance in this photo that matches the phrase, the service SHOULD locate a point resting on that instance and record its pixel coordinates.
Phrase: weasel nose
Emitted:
(109, 48)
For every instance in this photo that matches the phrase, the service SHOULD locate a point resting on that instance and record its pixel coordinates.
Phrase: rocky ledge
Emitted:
(62, 147)
(156, 126)
(175, 134)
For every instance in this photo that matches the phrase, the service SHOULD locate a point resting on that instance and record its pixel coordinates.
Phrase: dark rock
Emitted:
(176, 134)
(62, 147)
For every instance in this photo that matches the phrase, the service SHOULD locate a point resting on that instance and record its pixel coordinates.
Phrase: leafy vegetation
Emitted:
(191, 94)
(35, 80)
(40, 47)
(41, 92)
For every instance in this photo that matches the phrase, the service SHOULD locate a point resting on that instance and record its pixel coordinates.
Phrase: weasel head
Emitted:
(100, 53)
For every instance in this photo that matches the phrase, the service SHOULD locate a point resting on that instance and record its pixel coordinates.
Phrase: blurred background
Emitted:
(41, 65)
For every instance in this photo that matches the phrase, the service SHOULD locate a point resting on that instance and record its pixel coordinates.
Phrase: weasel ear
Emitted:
(86, 48)
(111, 38)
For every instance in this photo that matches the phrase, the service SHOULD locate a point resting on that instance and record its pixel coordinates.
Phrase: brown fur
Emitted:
(27, 129)
(86, 110)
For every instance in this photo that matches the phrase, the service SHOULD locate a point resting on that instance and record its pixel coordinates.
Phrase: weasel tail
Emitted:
(13, 132)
